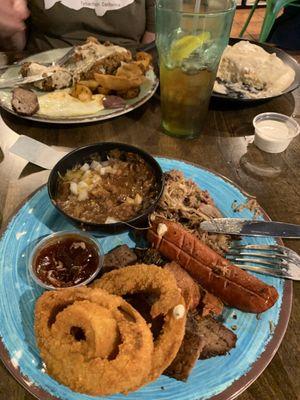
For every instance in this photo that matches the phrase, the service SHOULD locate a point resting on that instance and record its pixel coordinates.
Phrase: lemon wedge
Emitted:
(183, 47)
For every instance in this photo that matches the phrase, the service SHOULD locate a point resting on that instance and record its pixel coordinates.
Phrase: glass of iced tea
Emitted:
(190, 37)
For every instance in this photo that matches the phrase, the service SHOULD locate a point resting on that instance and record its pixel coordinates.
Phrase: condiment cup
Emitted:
(279, 140)
(54, 238)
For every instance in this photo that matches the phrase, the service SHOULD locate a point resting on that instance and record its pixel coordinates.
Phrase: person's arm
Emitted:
(149, 35)
(12, 27)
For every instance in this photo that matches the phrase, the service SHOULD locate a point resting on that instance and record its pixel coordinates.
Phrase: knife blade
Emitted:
(236, 226)
(60, 62)
(8, 83)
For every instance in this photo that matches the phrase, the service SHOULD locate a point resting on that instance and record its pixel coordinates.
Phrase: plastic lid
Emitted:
(274, 131)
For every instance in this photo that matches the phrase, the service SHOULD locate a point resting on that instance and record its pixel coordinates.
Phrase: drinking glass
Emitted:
(190, 37)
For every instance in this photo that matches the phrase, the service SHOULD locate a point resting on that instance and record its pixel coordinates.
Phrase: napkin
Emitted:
(36, 152)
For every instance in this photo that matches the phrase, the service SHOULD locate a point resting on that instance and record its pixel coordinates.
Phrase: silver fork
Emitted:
(272, 260)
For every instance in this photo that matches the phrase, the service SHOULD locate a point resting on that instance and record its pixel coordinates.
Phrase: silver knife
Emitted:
(60, 62)
(236, 226)
(8, 83)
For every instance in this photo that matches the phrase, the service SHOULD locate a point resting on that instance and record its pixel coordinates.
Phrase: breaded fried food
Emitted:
(91, 83)
(81, 92)
(129, 94)
(189, 288)
(129, 71)
(93, 342)
(117, 83)
(126, 81)
(109, 64)
(168, 302)
(143, 60)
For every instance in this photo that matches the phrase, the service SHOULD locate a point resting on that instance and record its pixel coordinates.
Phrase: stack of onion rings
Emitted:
(170, 304)
(92, 341)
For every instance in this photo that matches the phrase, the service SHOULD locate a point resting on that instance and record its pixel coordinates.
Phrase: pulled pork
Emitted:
(184, 202)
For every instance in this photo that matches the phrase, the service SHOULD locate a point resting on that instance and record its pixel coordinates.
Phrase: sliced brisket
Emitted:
(150, 256)
(218, 339)
(119, 257)
(188, 353)
(209, 304)
(204, 338)
(189, 288)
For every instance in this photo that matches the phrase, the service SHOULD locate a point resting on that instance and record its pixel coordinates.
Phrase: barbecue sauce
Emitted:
(67, 262)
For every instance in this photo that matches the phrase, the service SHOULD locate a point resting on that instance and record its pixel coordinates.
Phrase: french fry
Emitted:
(117, 83)
(91, 83)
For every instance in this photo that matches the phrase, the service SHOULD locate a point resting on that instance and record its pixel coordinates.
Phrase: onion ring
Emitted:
(170, 304)
(92, 341)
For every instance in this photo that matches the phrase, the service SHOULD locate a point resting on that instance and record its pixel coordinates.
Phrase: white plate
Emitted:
(148, 88)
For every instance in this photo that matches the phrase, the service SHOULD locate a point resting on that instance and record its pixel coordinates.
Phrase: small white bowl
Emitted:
(277, 138)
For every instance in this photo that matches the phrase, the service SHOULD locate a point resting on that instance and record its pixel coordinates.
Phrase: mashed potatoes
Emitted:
(252, 72)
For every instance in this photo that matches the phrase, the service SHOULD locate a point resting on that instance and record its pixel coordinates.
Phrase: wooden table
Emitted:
(225, 147)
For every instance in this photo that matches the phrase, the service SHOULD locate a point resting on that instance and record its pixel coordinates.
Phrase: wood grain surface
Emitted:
(225, 147)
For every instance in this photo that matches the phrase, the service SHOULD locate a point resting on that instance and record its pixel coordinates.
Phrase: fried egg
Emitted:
(61, 104)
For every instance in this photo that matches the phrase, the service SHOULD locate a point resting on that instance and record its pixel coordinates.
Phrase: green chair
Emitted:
(272, 10)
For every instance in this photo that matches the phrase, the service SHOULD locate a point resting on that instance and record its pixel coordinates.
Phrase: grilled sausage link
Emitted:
(234, 286)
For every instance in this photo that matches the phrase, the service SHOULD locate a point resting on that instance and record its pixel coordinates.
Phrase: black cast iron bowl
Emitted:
(85, 154)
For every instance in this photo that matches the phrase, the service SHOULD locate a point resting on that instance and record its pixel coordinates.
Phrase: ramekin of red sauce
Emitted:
(65, 259)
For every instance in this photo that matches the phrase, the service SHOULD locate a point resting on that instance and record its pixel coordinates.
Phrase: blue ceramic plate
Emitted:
(217, 378)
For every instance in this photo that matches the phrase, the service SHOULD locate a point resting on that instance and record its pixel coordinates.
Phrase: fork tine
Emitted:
(266, 259)
(279, 273)
(276, 250)
(61, 61)
(251, 253)
(258, 261)
(266, 247)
